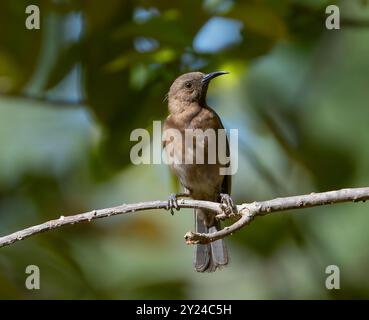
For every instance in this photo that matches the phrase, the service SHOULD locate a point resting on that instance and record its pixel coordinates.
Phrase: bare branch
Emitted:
(245, 213)
(43, 99)
(248, 212)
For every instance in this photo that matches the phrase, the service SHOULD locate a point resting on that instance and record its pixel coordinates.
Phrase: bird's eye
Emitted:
(188, 85)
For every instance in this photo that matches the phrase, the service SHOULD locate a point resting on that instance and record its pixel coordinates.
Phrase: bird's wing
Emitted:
(227, 182)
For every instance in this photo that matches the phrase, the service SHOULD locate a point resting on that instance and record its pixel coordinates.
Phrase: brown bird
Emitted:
(202, 181)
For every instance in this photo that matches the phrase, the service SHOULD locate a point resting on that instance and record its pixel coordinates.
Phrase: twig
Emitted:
(44, 99)
(246, 213)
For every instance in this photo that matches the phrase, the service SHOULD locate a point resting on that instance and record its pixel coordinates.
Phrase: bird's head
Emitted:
(191, 87)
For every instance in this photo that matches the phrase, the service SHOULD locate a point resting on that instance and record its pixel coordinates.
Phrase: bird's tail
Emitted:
(208, 257)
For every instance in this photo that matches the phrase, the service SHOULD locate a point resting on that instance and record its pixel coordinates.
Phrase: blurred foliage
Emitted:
(72, 92)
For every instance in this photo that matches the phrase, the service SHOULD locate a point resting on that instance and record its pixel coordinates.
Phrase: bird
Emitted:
(188, 110)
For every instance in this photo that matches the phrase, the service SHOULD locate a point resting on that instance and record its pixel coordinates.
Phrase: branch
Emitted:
(249, 211)
(354, 23)
(245, 213)
(44, 99)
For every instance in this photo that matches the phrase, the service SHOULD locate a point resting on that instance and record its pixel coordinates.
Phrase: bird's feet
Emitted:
(173, 201)
(227, 204)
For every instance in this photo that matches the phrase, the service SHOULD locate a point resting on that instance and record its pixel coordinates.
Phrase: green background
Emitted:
(71, 93)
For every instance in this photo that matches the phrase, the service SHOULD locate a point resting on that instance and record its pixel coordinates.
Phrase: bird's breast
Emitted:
(193, 152)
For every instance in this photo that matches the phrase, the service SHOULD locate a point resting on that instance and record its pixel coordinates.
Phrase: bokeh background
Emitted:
(71, 93)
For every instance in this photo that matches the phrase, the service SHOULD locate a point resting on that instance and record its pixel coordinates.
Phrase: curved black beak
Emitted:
(212, 75)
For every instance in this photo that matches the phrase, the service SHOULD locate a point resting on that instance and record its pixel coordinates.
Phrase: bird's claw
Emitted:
(172, 203)
(227, 204)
